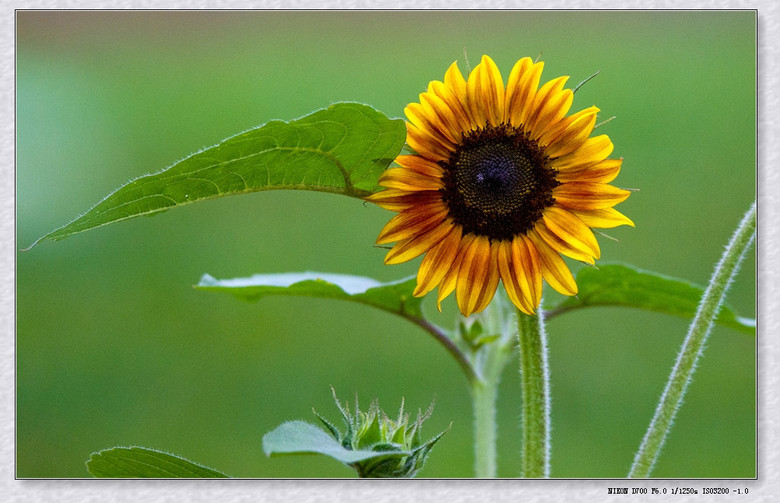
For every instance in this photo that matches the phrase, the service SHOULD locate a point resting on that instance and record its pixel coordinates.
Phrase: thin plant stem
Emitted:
(535, 386)
(693, 346)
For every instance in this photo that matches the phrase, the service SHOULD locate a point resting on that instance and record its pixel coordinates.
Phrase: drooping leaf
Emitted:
(299, 437)
(140, 462)
(341, 149)
(622, 285)
(395, 297)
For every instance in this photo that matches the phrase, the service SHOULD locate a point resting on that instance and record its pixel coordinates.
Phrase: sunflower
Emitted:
(501, 184)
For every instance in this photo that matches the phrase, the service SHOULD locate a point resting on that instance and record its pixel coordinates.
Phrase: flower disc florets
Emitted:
(497, 182)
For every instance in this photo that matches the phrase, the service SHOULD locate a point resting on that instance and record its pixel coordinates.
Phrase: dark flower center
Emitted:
(497, 182)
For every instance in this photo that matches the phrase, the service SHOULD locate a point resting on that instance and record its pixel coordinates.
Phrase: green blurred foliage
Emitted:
(115, 347)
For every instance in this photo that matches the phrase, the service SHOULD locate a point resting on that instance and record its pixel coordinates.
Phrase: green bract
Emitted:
(372, 443)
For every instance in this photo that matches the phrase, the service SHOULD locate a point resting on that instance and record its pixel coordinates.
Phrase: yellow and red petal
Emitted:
(569, 134)
(602, 172)
(588, 195)
(485, 94)
(571, 229)
(593, 151)
(477, 276)
(400, 200)
(409, 180)
(418, 244)
(553, 267)
(439, 259)
(411, 222)
(551, 104)
(521, 89)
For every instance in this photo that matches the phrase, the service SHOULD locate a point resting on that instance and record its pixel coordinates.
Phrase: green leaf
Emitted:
(395, 297)
(140, 462)
(622, 285)
(341, 149)
(299, 437)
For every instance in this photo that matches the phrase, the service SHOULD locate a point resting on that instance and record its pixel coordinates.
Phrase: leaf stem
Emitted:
(535, 385)
(448, 344)
(693, 346)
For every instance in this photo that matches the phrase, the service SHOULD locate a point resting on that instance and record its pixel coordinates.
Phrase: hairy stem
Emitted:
(534, 381)
(693, 346)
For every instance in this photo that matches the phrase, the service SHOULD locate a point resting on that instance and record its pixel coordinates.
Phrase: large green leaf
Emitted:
(622, 285)
(395, 297)
(341, 149)
(299, 437)
(140, 462)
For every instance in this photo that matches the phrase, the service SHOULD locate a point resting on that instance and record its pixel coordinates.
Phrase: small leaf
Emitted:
(341, 149)
(622, 285)
(140, 462)
(395, 297)
(299, 437)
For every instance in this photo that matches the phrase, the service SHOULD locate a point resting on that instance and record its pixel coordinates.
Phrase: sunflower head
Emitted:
(502, 183)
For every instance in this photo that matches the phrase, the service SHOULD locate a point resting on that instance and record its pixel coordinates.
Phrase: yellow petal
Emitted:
(569, 134)
(592, 151)
(426, 144)
(561, 246)
(588, 196)
(485, 94)
(426, 120)
(605, 218)
(571, 230)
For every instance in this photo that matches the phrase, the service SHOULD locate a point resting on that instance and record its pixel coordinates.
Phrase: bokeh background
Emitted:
(115, 347)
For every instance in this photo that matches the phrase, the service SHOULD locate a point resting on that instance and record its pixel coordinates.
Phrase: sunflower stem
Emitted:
(535, 387)
(483, 396)
(693, 347)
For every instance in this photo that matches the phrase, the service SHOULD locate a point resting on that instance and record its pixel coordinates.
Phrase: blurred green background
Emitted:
(115, 347)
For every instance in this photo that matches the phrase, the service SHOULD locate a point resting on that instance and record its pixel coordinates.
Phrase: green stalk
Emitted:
(693, 346)
(483, 396)
(535, 384)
